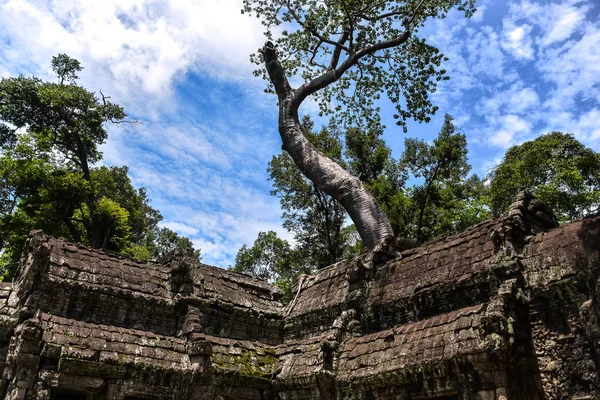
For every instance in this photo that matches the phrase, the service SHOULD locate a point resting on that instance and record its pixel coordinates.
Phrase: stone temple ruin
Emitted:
(505, 310)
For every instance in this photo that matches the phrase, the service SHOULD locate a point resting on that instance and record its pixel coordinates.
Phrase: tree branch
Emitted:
(72, 230)
(104, 97)
(335, 58)
(382, 16)
(314, 53)
(314, 32)
(275, 70)
(331, 76)
(327, 223)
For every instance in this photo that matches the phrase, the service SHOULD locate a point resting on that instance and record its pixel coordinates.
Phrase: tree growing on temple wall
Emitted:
(347, 53)
(442, 200)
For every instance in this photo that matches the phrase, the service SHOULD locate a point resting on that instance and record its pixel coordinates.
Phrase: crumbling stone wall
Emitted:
(508, 309)
(561, 269)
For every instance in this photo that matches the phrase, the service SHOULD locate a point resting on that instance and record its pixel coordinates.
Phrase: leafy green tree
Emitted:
(447, 202)
(461, 205)
(64, 124)
(114, 183)
(370, 160)
(443, 168)
(443, 161)
(556, 168)
(272, 259)
(348, 53)
(317, 221)
(367, 154)
(49, 138)
(455, 200)
(168, 241)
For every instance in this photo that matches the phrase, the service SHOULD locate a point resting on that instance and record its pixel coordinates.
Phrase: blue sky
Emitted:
(518, 69)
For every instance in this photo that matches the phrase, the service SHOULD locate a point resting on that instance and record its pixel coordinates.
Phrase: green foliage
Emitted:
(365, 43)
(168, 241)
(112, 221)
(367, 153)
(441, 201)
(49, 138)
(114, 183)
(370, 160)
(556, 168)
(446, 202)
(272, 259)
(66, 68)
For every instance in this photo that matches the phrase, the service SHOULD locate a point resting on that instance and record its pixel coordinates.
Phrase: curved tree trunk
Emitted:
(371, 222)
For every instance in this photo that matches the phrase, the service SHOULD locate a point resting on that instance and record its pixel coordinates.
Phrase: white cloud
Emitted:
(479, 14)
(516, 99)
(136, 49)
(221, 235)
(554, 52)
(485, 56)
(566, 20)
(180, 228)
(442, 34)
(518, 41)
(210, 185)
(509, 130)
(556, 21)
(574, 69)
(584, 126)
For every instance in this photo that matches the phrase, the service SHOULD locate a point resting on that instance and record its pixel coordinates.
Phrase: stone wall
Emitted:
(496, 312)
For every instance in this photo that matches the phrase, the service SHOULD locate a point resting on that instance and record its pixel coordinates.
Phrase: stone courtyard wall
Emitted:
(496, 312)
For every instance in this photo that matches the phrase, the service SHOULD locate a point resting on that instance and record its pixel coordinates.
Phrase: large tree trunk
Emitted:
(371, 222)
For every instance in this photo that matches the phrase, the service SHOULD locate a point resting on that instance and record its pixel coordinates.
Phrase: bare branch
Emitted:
(104, 98)
(335, 58)
(275, 70)
(314, 52)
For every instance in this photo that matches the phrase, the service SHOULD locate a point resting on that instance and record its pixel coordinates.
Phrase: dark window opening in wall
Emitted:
(62, 395)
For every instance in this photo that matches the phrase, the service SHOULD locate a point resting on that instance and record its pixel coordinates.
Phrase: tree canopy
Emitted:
(440, 202)
(273, 259)
(556, 168)
(348, 53)
(49, 138)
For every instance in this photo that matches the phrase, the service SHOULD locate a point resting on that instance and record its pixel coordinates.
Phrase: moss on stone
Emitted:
(249, 363)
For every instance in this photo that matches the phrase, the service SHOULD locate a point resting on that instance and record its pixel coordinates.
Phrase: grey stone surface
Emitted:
(508, 309)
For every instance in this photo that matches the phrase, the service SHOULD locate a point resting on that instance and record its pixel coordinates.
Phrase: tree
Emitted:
(556, 168)
(272, 259)
(114, 183)
(64, 124)
(315, 219)
(49, 138)
(370, 160)
(167, 242)
(443, 163)
(453, 202)
(349, 52)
